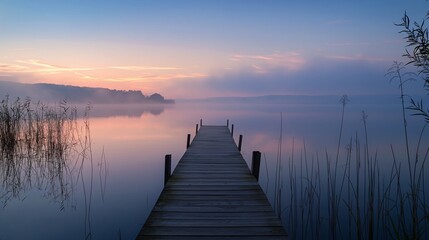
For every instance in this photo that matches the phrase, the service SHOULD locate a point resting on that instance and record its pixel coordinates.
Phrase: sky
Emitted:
(206, 48)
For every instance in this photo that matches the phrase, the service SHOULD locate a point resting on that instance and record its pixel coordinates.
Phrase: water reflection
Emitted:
(128, 110)
(370, 191)
(44, 148)
(111, 194)
(37, 145)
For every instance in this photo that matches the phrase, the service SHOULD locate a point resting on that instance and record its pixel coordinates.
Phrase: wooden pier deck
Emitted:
(212, 195)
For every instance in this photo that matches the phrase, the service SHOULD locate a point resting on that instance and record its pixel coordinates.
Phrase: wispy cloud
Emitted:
(238, 57)
(359, 58)
(84, 76)
(321, 75)
(349, 44)
(258, 69)
(136, 73)
(37, 66)
(143, 68)
(13, 68)
(155, 77)
(262, 63)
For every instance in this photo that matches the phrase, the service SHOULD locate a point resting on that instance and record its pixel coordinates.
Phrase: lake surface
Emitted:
(119, 185)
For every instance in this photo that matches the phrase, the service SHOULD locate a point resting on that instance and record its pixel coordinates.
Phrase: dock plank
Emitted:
(212, 195)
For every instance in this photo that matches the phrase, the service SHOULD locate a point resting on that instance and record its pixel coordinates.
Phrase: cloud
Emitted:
(291, 61)
(37, 66)
(359, 58)
(13, 68)
(158, 77)
(244, 75)
(40, 69)
(349, 44)
(319, 76)
(84, 76)
(238, 57)
(143, 68)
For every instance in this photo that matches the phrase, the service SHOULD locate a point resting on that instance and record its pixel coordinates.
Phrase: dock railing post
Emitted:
(196, 130)
(232, 129)
(227, 123)
(188, 141)
(256, 163)
(167, 168)
(240, 141)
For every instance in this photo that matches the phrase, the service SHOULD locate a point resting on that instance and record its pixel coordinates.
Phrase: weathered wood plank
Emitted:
(220, 208)
(212, 195)
(238, 204)
(214, 237)
(220, 222)
(213, 231)
(207, 197)
(217, 215)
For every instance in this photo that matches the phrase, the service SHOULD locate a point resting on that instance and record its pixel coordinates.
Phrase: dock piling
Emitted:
(167, 168)
(256, 163)
(240, 141)
(188, 141)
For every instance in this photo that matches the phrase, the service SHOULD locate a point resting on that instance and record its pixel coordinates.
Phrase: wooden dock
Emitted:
(212, 195)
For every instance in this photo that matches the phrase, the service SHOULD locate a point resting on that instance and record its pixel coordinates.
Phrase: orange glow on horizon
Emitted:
(149, 79)
(168, 80)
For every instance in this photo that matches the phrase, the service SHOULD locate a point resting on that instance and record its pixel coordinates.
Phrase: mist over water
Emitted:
(118, 186)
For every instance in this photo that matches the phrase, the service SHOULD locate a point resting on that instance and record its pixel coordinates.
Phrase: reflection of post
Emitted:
(232, 130)
(256, 163)
(167, 168)
(240, 141)
(188, 142)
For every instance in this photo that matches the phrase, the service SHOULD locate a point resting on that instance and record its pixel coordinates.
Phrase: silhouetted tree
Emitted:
(156, 97)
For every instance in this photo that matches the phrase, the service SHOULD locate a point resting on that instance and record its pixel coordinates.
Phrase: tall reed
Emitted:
(349, 197)
(38, 147)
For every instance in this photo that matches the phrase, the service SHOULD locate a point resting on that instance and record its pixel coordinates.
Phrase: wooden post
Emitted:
(240, 141)
(227, 123)
(256, 163)
(167, 168)
(196, 130)
(232, 129)
(188, 142)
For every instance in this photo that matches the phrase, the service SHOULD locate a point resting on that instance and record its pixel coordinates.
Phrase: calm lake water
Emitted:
(119, 185)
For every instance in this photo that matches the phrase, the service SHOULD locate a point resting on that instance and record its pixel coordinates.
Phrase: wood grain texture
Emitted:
(212, 195)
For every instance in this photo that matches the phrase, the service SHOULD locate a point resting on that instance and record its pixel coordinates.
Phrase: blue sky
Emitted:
(206, 48)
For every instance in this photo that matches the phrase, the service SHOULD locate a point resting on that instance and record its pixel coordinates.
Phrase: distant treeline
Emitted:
(74, 94)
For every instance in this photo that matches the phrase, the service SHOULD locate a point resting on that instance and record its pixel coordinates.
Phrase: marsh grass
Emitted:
(352, 195)
(39, 148)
